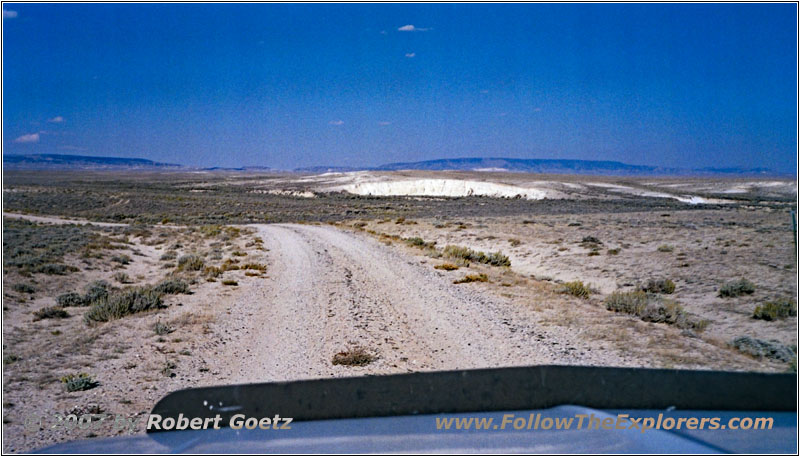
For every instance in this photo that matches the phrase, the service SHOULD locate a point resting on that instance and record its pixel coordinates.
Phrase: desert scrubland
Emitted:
(120, 288)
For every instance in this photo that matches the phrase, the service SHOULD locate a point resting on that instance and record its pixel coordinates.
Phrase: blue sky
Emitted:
(323, 84)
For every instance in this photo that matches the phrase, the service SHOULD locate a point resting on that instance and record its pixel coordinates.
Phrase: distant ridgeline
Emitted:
(554, 166)
(75, 162)
(545, 166)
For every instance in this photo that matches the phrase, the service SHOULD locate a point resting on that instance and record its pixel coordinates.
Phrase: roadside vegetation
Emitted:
(354, 356)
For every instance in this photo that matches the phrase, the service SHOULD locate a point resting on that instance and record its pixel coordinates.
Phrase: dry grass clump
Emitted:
(230, 282)
(472, 278)
(652, 308)
(446, 267)
(190, 262)
(737, 288)
(659, 286)
(353, 356)
(255, 266)
(467, 254)
(778, 309)
(665, 248)
(420, 243)
(576, 289)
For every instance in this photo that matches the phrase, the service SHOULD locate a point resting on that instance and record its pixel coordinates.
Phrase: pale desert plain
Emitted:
(233, 277)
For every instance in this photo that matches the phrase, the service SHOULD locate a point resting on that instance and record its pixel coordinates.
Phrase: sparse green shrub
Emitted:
(772, 349)
(737, 288)
(472, 278)
(576, 289)
(627, 302)
(659, 286)
(446, 267)
(665, 248)
(78, 382)
(96, 291)
(353, 356)
(70, 299)
(40, 248)
(122, 278)
(190, 262)
(778, 309)
(161, 328)
(167, 369)
(123, 303)
(50, 312)
(172, 286)
(498, 259)
(121, 259)
(238, 253)
(24, 288)
(419, 242)
(230, 282)
(665, 311)
(514, 242)
(54, 269)
(11, 358)
(169, 255)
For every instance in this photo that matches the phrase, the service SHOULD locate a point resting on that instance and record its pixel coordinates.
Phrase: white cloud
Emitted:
(56, 120)
(411, 55)
(9, 14)
(29, 138)
(411, 28)
(384, 123)
(336, 122)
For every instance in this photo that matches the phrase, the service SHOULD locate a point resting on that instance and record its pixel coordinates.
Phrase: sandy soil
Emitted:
(330, 289)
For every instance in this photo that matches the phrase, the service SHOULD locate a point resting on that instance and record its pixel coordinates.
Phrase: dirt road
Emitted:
(330, 289)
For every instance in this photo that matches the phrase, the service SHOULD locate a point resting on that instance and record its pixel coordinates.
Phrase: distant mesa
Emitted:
(497, 164)
(76, 162)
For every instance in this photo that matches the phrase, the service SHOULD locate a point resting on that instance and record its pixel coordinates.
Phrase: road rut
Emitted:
(330, 289)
